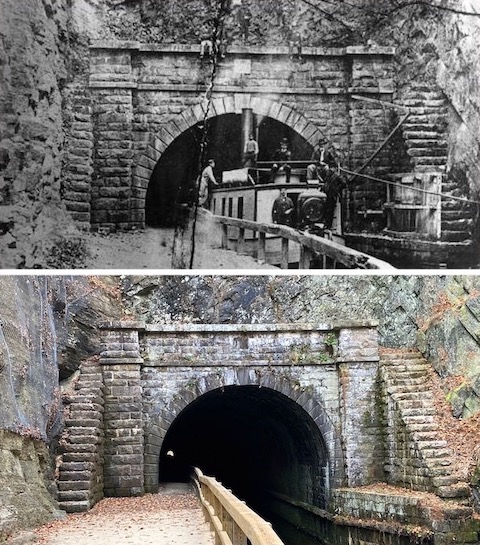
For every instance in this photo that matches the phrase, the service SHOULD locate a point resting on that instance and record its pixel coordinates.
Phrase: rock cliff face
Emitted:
(47, 327)
(429, 312)
(35, 231)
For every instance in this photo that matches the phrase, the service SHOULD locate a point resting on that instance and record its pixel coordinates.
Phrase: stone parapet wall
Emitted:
(406, 514)
(166, 367)
(144, 93)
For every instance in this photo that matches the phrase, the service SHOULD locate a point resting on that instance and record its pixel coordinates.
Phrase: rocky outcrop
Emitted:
(47, 330)
(427, 312)
(35, 230)
(26, 496)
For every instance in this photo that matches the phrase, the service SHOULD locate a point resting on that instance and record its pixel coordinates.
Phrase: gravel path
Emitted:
(153, 249)
(171, 517)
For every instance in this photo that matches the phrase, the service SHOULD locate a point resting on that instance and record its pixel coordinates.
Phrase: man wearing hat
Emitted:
(324, 168)
(322, 159)
(282, 157)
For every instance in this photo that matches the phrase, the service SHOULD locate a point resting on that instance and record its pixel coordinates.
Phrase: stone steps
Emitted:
(428, 463)
(420, 135)
(430, 168)
(424, 131)
(79, 486)
(430, 161)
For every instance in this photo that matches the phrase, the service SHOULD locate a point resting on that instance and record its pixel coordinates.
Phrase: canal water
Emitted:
(339, 535)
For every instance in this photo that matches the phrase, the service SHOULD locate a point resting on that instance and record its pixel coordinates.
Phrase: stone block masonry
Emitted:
(81, 469)
(79, 153)
(152, 372)
(375, 422)
(145, 96)
(123, 418)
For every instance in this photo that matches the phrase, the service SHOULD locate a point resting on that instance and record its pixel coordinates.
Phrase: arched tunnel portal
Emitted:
(173, 179)
(256, 441)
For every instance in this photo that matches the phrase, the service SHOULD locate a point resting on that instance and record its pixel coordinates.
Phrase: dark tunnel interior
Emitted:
(173, 178)
(255, 441)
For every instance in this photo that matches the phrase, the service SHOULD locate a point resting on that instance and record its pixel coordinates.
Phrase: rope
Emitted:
(426, 191)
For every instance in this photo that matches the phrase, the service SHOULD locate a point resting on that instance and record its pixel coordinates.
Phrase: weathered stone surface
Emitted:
(25, 498)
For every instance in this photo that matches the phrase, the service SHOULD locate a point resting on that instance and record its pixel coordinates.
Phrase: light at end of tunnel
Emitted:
(170, 453)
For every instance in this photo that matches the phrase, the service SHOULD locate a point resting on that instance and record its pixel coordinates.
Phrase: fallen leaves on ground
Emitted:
(462, 435)
(134, 510)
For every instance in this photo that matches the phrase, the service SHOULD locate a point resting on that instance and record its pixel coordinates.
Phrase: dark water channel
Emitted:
(337, 535)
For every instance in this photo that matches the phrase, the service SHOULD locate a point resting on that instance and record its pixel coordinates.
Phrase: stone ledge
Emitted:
(121, 361)
(244, 50)
(190, 88)
(257, 328)
(135, 325)
(233, 328)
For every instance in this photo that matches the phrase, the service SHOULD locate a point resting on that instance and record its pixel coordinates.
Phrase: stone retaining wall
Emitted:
(150, 374)
(147, 95)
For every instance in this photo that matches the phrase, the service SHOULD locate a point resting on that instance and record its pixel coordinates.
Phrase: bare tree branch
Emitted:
(426, 3)
(329, 15)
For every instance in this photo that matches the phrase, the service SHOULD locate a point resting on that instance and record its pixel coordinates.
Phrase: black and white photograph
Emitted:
(239, 134)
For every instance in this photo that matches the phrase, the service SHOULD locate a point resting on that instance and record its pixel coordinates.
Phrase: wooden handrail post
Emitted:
(241, 241)
(284, 262)
(305, 257)
(261, 252)
(225, 236)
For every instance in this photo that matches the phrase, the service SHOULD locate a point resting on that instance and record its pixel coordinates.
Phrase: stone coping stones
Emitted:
(229, 328)
(245, 50)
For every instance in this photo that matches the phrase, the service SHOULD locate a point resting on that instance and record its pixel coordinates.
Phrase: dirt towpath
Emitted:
(154, 249)
(171, 517)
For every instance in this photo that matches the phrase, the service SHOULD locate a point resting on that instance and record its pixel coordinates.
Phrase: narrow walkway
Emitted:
(171, 517)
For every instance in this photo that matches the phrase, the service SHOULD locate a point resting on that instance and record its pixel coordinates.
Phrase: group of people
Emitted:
(323, 169)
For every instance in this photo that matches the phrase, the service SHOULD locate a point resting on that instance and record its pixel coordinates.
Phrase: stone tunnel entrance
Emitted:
(256, 441)
(284, 414)
(173, 179)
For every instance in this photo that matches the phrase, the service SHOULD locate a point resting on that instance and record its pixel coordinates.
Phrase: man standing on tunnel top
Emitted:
(207, 180)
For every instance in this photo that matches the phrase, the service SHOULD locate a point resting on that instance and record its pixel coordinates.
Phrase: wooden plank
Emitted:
(305, 258)
(284, 263)
(261, 247)
(241, 241)
(225, 235)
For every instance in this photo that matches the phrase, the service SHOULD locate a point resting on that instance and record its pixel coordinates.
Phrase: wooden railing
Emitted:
(311, 246)
(233, 522)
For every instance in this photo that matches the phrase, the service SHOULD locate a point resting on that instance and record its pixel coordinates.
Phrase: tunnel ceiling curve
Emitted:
(254, 440)
(173, 178)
